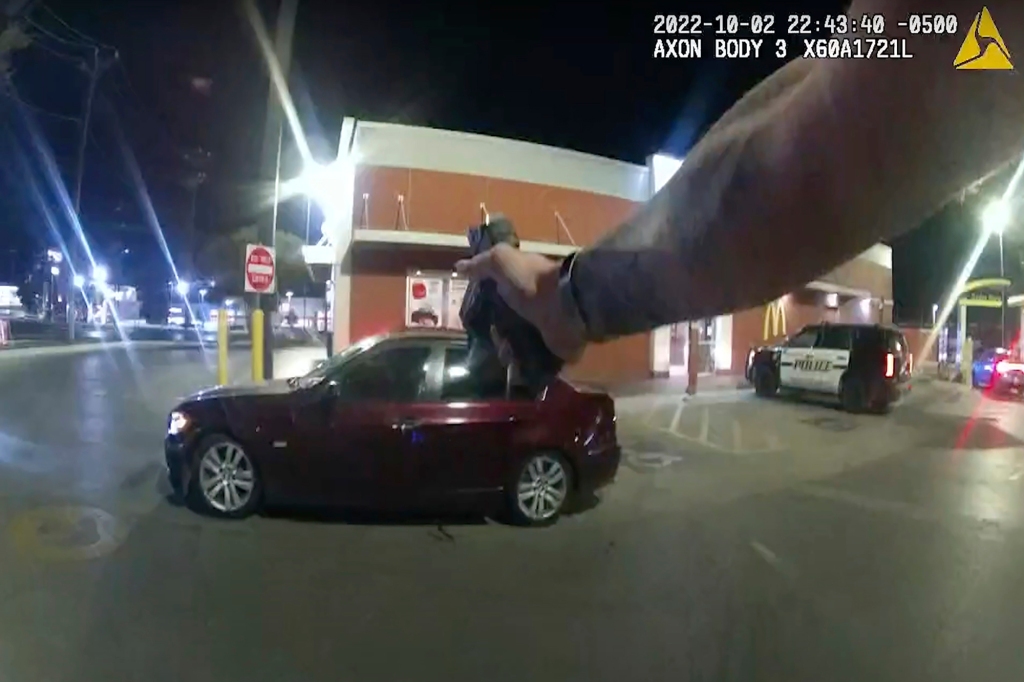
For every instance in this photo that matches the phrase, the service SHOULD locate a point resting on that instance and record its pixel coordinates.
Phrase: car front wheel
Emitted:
(765, 384)
(541, 489)
(224, 481)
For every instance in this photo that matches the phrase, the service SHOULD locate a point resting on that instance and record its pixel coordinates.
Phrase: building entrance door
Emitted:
(679, 348)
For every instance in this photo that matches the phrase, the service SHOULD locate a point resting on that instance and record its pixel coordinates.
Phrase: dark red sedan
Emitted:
(395, 421)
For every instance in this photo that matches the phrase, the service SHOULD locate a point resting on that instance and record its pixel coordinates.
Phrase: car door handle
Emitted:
(405, 425)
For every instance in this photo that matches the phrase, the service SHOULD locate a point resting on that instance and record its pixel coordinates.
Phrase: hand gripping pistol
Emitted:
(483, 308)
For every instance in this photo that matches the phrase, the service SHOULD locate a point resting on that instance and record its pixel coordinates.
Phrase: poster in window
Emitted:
(424, 301)
(456, 292)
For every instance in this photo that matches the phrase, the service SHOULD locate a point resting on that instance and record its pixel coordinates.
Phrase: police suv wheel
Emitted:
(765, 385)
(852, 394)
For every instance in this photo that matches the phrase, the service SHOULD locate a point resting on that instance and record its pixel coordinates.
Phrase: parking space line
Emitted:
(677, 416)
(769, 556)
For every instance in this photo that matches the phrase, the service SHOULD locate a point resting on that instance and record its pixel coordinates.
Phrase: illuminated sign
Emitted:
(984, 293)
(775, 319)
(982, 301)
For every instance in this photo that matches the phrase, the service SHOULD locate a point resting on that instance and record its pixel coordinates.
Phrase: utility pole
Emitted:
(270, 164)
(94, 70)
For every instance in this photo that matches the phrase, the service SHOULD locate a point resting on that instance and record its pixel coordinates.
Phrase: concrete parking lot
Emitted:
(743, 540)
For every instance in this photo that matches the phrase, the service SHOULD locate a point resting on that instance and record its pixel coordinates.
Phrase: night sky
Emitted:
(188, 95)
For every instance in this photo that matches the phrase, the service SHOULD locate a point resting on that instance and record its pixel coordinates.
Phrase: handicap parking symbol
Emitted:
(649, 462)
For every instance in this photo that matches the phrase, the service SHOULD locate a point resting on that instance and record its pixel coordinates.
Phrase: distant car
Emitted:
(395, 421)
(997, 371)
(866, 366)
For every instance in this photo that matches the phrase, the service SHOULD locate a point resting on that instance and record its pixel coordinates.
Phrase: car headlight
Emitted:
(177, 423)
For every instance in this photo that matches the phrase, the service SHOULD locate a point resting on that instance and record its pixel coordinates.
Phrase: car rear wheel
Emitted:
(852, 394)
(540, 490)
(765, 384)
(225, 482)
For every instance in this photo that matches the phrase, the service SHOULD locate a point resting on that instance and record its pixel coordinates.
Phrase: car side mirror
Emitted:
(331, 392)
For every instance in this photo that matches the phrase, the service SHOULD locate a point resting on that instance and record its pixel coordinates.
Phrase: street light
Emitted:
(202, 294)
(994, 220)
(183, 287)
(324, 184)
(55, 271)
(79, 281)
(100, 274)
(996, 216)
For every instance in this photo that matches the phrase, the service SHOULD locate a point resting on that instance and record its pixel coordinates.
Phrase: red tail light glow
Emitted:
(910, 364)
(890, 365)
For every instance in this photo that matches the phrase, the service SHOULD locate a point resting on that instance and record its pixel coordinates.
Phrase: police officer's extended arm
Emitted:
(810, 169)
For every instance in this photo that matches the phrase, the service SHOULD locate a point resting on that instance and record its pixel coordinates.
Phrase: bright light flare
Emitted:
(996, 217)
(79, 281)
(277, 79)
(55, 271)
(183, 287)
(100, 274)
(324, 184)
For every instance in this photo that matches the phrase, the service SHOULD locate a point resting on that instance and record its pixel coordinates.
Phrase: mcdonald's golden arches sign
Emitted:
(775, 319)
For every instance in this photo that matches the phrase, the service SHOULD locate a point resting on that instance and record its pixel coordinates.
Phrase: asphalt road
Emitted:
(744, 540)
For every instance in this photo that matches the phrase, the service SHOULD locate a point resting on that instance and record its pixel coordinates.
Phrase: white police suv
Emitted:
(866, 366)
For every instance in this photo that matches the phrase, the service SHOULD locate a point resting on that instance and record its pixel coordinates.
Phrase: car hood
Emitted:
(277, 387)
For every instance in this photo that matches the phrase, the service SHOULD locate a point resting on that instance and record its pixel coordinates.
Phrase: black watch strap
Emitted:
(569, 297)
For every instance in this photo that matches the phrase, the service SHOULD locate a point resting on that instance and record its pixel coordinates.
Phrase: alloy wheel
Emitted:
(542, 488)
(226, 477)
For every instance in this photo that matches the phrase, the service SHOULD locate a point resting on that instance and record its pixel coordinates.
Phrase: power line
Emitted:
(74, 31)
(55, 52)
(53, 36)
(11, 94)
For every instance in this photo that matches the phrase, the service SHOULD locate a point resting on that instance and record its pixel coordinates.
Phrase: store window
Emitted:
(433, 300)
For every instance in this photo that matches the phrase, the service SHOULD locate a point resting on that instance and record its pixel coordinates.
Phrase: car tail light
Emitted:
(890, 365)
(910, 364)
(603, 429)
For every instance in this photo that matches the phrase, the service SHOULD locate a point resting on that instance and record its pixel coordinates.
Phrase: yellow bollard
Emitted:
(222, 347)
(256, 330)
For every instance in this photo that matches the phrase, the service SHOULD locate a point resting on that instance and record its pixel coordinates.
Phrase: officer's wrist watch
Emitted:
(569, 300)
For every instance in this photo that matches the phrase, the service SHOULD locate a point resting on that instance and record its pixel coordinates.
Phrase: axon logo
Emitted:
(775, 319)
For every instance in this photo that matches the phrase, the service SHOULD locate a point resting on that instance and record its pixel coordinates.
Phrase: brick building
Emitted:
(407, 194)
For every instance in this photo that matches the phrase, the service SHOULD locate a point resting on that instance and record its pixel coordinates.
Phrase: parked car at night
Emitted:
(867, 367)
(394, 422)
(998, 370)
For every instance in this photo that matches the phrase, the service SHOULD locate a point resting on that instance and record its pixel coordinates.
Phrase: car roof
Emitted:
(859, 325)
(426, 334)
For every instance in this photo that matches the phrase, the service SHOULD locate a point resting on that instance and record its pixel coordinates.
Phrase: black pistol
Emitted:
(483, 308)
